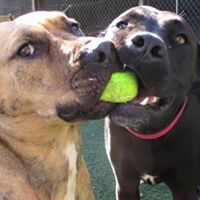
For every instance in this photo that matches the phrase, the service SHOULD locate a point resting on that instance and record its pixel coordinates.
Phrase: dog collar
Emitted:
(162, 132)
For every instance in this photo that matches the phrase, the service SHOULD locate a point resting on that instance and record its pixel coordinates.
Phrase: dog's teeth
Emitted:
(91, 79)
(155, 99)
(125, 66)
(145, 101)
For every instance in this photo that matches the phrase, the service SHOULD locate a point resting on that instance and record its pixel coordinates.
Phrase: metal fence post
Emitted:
(34, 5)
(177, 7)
(140, 2)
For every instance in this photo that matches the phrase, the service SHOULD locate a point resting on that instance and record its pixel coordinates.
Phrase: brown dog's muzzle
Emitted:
(97, 60)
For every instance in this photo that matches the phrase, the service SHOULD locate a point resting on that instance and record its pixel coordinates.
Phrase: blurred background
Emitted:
(94, 16)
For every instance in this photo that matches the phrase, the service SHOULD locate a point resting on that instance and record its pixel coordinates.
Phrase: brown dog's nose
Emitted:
(99, 51)
(148, 44)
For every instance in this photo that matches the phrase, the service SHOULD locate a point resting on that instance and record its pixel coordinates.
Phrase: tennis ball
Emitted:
(121, 88)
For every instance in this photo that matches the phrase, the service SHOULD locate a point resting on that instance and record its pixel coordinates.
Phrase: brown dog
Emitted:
(48, 76)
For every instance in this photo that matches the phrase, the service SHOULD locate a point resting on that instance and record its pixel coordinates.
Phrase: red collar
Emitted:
(163, 132)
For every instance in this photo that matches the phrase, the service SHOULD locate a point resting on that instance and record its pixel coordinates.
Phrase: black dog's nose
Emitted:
(148, 44)
(99, 51)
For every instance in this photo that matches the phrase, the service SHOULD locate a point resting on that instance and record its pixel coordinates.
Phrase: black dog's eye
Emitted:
(181, 39)
(122, 24)
(26, 50)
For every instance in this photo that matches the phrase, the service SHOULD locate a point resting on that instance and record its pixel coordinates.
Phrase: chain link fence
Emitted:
(15, 7)
(95, 15)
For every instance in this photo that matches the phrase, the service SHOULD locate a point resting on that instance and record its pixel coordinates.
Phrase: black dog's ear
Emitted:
(198, 61)
(196, 84)
(198, 56)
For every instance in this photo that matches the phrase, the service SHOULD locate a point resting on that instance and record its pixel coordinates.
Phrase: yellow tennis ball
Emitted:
(122, 87)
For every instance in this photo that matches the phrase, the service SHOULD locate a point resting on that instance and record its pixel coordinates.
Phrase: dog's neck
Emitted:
(48, 149)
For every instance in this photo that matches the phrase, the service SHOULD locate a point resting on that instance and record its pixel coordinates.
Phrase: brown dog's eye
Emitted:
(181, 39)
(122, 24)
(75, 27)
(26, 50)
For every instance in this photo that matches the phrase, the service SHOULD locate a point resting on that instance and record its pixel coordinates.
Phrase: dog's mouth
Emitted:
(87, 85)
(146, 112)
(148, 100)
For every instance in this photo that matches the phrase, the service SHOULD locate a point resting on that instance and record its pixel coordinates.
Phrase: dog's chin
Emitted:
(76, 113)
(146, 113)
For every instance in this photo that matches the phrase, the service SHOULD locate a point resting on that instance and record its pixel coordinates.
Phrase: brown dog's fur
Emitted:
(40, 153)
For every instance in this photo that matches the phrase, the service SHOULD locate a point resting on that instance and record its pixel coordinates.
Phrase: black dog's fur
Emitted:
(160, 47)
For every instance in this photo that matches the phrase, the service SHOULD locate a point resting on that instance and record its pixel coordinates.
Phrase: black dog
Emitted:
(156, 137)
